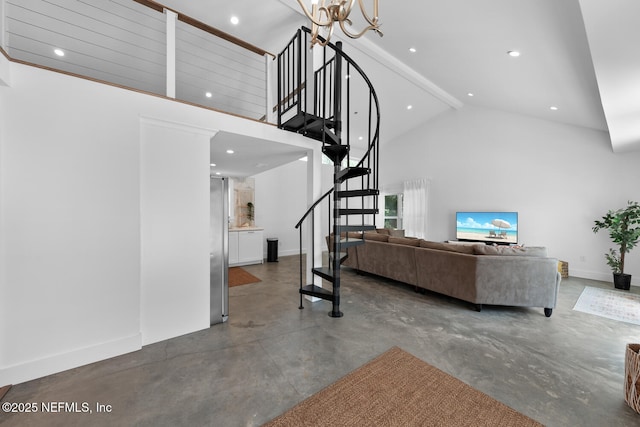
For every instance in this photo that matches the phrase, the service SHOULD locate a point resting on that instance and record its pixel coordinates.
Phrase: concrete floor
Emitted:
(566, 370)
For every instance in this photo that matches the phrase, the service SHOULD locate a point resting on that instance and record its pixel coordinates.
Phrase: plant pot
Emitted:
(622, 281)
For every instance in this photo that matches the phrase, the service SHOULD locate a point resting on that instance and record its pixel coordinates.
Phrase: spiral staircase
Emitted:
(325, 102)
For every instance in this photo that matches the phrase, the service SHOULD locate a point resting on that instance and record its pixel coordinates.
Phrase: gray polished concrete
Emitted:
(566, 370)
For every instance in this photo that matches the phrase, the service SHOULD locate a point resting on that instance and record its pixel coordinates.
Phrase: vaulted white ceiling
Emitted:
(573, 54)
(576, 55)
(613, 31)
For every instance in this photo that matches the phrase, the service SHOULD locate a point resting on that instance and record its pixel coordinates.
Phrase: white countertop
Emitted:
(245, 229)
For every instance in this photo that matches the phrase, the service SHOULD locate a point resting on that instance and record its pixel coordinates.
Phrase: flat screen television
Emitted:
(488, 227)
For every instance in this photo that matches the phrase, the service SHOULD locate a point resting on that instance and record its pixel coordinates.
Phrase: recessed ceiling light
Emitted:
(553, 108)
(412, 49)
(230, 151)
(58, 52)
(513, 53)
(218, 173)
(234, 20)
(360, 138)
(409, 107)
(471, 94)
(208, 94)
(213, 165)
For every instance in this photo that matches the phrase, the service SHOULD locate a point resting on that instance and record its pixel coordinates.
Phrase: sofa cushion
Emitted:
(377, 237)
(395, 262)
(536, 251)
(382, 231)
(396, 233)
(451, 247)
(404, 241)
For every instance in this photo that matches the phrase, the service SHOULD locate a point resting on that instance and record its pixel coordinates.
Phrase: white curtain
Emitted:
(414, 218)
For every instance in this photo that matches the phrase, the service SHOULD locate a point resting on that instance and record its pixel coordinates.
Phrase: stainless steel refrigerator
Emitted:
(219, 249)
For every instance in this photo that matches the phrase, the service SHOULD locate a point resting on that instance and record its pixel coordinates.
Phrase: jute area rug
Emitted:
(398, 389)
(3, 391)
(239, 276)
(616, 305)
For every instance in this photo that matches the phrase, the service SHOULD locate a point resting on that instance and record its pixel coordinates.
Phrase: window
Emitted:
(393, 211)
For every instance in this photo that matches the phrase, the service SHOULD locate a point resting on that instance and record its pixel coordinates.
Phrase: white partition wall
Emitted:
(69, 225)
(5, 75)
(174, 205)
(84, 253)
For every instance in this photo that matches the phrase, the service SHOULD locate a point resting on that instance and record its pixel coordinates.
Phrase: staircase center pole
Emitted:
(337, 111)
(335, 311)
(337, 98)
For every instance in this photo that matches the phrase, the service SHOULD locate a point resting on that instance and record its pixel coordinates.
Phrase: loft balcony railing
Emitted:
(141, 45)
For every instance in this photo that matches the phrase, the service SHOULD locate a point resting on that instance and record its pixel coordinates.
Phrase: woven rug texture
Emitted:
(239, 276)
(398, 389)
(615, 305)
(3, 391)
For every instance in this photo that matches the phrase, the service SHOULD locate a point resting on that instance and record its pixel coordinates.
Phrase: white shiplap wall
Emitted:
(123, 42)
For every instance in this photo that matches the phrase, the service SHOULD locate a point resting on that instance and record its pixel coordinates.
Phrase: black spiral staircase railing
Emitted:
(330, 112)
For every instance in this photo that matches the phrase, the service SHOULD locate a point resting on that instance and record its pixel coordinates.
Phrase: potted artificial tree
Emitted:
(624, 230)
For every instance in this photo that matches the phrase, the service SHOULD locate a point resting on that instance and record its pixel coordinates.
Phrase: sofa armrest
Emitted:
(518, 281)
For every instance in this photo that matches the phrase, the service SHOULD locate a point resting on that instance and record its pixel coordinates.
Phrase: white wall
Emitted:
(70, 204)
(281, 200)
(3, 294)
(559, 178)
(70, 222)
(5, 74)
(175, 203)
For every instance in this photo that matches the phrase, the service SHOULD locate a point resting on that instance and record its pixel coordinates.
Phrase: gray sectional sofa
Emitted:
(479, 274)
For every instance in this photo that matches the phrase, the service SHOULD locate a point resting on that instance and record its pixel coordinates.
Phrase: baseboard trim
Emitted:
(290, 252)
(602, 277)
(31, 370)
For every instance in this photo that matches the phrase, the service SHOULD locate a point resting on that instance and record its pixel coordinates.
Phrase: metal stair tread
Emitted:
(357, 211)
(357, 193)
(316, 291)
(351, 172)
(343, 256)
(317, 123)
(336, 152)
(324, 272)
(297, 122)
(330, 138)
(319, 129)
(362, 227)
(312, 126)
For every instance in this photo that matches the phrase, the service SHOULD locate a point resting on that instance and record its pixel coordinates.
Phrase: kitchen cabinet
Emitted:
(245, 246)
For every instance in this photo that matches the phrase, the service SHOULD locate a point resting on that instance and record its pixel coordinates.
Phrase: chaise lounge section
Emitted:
(478, 273)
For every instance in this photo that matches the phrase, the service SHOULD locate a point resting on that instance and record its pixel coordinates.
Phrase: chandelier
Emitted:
(325, 13)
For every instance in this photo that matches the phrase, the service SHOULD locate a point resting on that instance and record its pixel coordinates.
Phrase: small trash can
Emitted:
(272, 249)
